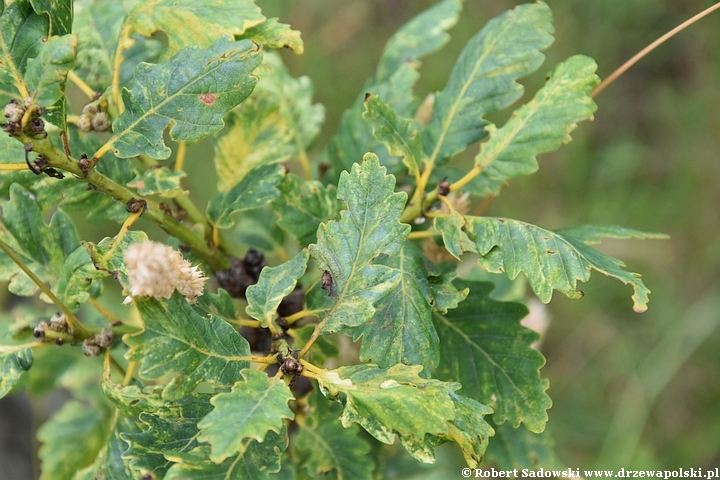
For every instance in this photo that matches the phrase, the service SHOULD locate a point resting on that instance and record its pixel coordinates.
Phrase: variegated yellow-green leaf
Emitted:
(75, 424)
(171, 428)
(540, 126)
(274, 284)
(277, 122)
(347, 248)
(274, 34)
(484, 78)
(193, 91)
(43, 248)
(303, 205)
(393, 400)
(158, 181)
(484, 347)
(255, 134)
(14, 360)
(21, 34)
(60, 13)
(400, 135)
(109, 463)
(257, 188)
(423, 413)
(324, 447)
(258, 462)
(470, 430)
(178, 341)
(192, 22)
(46, 75)
(256, 405)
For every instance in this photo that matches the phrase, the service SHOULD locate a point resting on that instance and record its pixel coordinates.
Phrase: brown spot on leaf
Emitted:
(207, 98)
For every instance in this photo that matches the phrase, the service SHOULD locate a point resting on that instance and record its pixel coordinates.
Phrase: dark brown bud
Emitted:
(443, 187)
(135, 206)
(59, 342)
(36, 125)
(40, 328)
(84, 163)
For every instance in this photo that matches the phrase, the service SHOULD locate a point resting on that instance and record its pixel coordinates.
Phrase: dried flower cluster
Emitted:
(156, 270)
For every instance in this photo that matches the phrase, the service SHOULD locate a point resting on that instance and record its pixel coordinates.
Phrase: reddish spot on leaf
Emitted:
(208, 98)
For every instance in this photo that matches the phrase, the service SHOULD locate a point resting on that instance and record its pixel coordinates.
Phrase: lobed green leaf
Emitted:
(257, 188)
(43, 248)
(75, 424)
(347, 248)
(324, 447)
(422, 412)
(60, 13)
(540, 126)
(193, 91)
(14, 361)
(484, 347)
(550, 260)
(172, 428)
(178, 341)
(21, 34)
(255, 406)
(401, 329)
(303, 205)
(400, 135)
(274, 284)
(158, 181)
(46, 75)
(484, 78)
(258, 462)
(109, 463)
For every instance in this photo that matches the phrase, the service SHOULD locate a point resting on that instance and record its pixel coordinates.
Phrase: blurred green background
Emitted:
(629, 390)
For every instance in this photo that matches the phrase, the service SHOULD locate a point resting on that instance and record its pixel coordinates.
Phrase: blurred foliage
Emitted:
(649, 160)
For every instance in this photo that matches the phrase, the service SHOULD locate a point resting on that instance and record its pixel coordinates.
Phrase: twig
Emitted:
(625, 66)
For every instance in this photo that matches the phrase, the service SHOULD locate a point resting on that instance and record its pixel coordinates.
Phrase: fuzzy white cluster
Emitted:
(156, 270)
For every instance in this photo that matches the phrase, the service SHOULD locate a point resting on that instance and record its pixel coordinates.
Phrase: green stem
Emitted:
(215, 258)
(78, 328)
